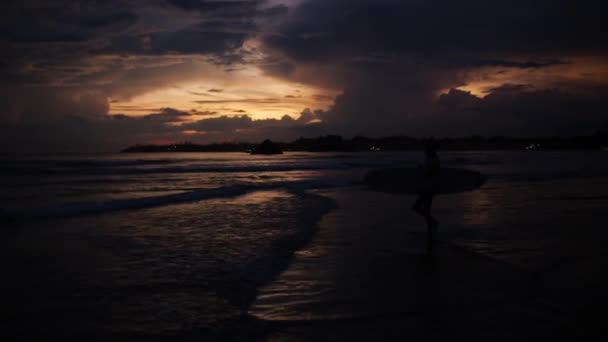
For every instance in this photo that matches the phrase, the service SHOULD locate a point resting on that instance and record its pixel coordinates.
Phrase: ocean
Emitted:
(156, 245)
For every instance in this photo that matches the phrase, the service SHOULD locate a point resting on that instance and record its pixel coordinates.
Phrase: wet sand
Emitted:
(366, 277)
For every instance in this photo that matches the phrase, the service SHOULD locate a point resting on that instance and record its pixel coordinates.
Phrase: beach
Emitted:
(218, 247)
(366, 276)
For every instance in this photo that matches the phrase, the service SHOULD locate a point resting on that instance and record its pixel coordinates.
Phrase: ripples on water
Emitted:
(182, 242)
(173, 268)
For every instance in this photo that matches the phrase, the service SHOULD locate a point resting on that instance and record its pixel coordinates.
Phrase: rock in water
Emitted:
(267, 147)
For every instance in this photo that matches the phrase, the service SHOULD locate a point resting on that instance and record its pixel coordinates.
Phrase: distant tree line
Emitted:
(336, 143)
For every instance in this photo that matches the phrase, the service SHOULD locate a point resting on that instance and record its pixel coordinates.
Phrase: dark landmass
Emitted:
(336, 143)
(190, 147)
(267, 147)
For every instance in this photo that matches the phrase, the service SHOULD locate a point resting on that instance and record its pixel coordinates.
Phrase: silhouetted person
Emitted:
(428, 188)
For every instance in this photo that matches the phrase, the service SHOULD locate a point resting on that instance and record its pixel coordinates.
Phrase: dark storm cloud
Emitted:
(220, 38)
(167, 115)
(392, 58)
(522, 110)
(43, 41)
(105, 133)
(244, 128)
(72, 133)
(44, 104)
(333, 28)
(61, 60)
(267, 100)
(203, 113)
(188, 41)
(229, 124)
(473, 62)
(221, 124)
(216, 5)
(61, 20)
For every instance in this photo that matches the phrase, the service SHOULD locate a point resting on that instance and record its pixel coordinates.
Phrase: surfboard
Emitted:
(412, 180)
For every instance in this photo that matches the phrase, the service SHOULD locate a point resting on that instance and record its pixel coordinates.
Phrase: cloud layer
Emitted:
(393, 59)
(405, 67)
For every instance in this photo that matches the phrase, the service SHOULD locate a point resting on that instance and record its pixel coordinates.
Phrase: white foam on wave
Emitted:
(178, 167)
(98, 207)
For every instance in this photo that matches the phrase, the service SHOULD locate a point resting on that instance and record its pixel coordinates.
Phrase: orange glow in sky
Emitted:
(576, 69)
(214, 91)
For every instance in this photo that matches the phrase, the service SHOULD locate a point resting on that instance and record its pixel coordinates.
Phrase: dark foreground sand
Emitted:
(365, 277)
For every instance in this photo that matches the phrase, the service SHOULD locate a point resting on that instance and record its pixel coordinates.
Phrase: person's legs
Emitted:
(431, 222)
(422, 206)
(418, 205)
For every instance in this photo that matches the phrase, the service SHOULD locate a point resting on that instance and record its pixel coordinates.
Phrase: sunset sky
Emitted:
(101, 75)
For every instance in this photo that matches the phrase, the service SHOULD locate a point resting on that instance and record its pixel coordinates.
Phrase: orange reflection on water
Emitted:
(258, 197)
(480, 208)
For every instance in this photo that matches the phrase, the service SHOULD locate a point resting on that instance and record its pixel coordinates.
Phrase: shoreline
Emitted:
(520, 258)
(365, 276)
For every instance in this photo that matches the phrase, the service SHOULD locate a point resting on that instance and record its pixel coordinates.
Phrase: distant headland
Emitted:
(336, 143)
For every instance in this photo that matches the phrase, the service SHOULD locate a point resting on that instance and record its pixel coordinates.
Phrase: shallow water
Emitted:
(151, 244)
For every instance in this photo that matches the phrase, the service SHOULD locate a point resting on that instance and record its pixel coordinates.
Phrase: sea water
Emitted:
(154, 244)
